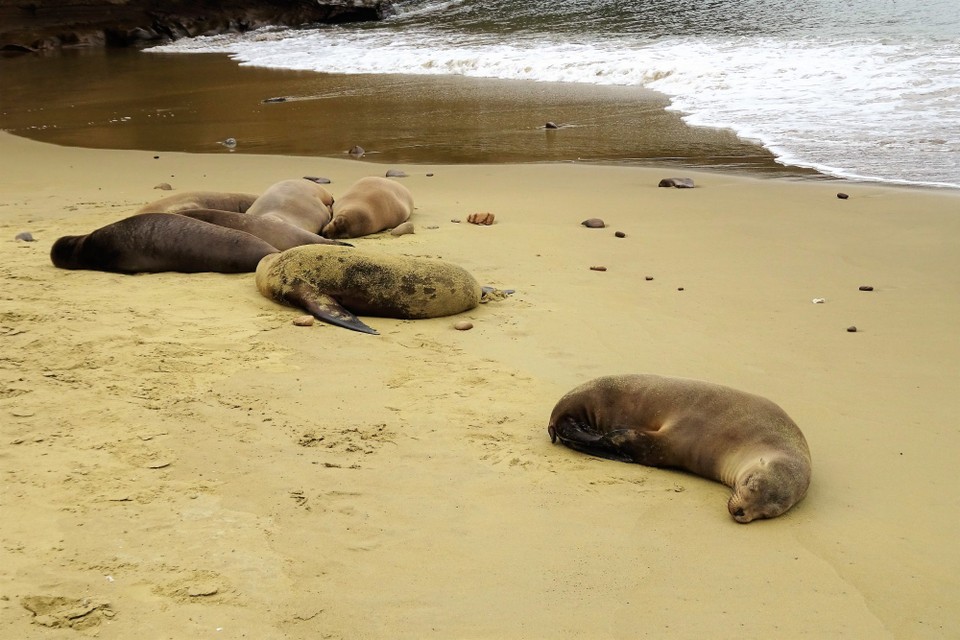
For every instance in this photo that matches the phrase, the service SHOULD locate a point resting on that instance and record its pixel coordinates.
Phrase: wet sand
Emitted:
(126, 99)
(179, 460)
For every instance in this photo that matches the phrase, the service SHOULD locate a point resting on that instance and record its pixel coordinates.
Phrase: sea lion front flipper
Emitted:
(582, 437)
(325, 308)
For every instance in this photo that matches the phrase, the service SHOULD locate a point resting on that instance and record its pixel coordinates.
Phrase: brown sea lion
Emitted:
(300, 202)
(280, 234)
(368, 206)
(224, 201)
(153, 242)
(742, 440)
(334, 283)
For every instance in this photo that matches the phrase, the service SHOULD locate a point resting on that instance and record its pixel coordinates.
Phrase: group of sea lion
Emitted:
(289, 236)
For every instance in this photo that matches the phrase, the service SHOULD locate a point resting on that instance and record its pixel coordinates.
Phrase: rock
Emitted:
(402, 229)
(304, 321)
(396, 173)
(598, 268)
(679, 183)
(230, 143)
(25, 236)
(594, 223)
(481, 218)
(275, 100)
(620, 234)
(164, 186)
(866, 287)
(317, 179)
(551, 125)
(455, 220)
(357, 151)
(648, 278)
(463, 325)
(842, 196)
(851, 329)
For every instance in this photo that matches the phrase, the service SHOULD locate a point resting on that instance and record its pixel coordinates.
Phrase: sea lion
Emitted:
(742, 440)
(300, 202)
(334, 283)
(270, 229)
(368, 206)
(153, 242)
(224, 201)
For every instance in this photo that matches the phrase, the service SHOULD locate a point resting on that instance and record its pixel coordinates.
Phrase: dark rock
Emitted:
(679, 183)
(52, 24)
(842, 196)
(275, 100)
(620, 234)
(396, 173)
(598, 268)
(551, 125)
(648, 278)
(851, 329)
(866, 287)
(357, 151)
(594, 223)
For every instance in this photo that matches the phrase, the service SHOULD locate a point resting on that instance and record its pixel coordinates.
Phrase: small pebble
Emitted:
(230, 143)
(164, 186)
(648, 278)
(156, 157)
(357, 151)
(402, 229)
(481, 218)
(598, 268)
(455, 220)
(396, 173)
(679, 183)
(463, 325)
(551, 125)
(866, 287)
(842, 196)
(304, 321)
(679, 288)
(851, 329)
(594, 223)
(620, 234)
(429, 175)
(25, 236)
(818, 300)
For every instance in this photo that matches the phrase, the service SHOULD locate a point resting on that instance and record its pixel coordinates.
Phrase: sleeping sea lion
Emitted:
(368, 206)
(270, 229)
(742, 440)
(153, 242)
(300, 202)
(224, 201)
(334, 283)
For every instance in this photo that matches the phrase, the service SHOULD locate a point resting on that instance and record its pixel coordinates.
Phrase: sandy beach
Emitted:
(180, 461)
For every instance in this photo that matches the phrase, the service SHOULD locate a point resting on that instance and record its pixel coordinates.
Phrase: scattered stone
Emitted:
(480, 218)
(866, 287)
(851, 329)
(230, 143)
(276, 99)
(620, 234)
(356, 151)
(402, 229)
(679, 183)
(304, 321)
(25, 236)
(317, 179)
(455, 220)
(463, 325)
(156, 157)
(551, 125)
(594, 223)
(164, 186)
(648, 278)
(818, 300)
(429, 175)
(679, 288)
(396, 173)
(202, 589)
(598, 268)
(843, 196)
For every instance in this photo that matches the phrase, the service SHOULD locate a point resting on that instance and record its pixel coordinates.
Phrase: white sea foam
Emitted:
(858, 109)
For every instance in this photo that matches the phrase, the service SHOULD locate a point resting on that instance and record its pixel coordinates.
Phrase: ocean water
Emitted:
(865, 89)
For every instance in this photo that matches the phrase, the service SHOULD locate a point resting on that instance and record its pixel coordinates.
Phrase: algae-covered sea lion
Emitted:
(742, 440)
(334, 283)
(300, 202)
(224, 201)
(368, 206)
(153, 242)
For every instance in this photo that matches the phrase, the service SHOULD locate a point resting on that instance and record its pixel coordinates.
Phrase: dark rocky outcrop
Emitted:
(27, 25)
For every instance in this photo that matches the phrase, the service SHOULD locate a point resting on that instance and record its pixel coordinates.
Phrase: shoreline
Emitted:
(181, 459)
(124, 99)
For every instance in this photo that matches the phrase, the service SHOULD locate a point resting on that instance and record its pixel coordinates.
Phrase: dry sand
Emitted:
(180, 461)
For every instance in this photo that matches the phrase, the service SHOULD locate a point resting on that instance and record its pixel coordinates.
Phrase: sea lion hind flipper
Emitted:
(327, 309)
(643, 447)
(580, 436)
